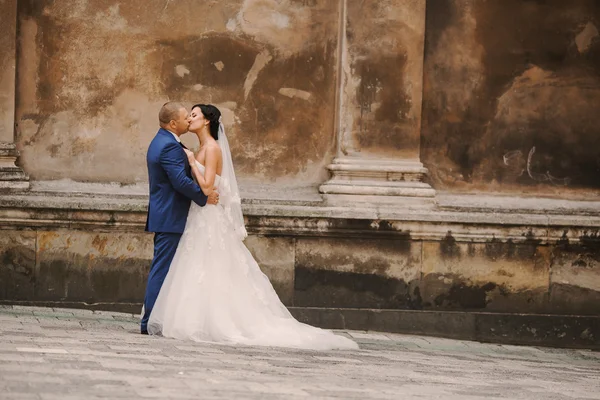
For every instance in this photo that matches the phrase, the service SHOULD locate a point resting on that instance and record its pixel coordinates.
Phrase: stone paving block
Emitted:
(62, 340)
(51, 313)
(30, 309)
(103, 355)
(21, 396)
(337, 359)
(74, 311)
(6, 346)
(113, 314)
(110, 389)
(55, 322)
(127, 365)
(11, 357)
(204, 349)
(66, 396)
(369, 336)
(339, 393)
(76, 373)
(134, 348)
(162, 393)
(127, 319)
(25, 310)
(100, 324)
(41, 350)
(278, 388)
(22, 319)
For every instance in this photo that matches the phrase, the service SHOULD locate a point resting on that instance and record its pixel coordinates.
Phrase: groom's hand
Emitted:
(213, 198)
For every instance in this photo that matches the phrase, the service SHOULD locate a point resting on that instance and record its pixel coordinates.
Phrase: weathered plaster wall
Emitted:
(382, 77)
(106, 267)
(369, 273)
(511, 95)
(92, 76)
(510, 276)
(8, 29)
(501, 77)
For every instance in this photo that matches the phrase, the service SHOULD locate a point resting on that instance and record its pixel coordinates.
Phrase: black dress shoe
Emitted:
(144, 332)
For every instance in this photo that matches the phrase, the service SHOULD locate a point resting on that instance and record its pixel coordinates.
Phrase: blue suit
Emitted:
(171, 192)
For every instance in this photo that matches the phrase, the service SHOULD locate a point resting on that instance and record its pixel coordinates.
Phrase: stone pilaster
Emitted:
(385, 181)
(11, 176)
(380, 70)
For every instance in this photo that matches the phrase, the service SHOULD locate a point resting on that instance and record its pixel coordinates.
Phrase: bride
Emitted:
(214, 290)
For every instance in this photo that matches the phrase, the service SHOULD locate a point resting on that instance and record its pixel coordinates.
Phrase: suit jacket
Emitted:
(171, 186)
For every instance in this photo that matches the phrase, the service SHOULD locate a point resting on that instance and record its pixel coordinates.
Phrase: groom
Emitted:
(171, 192)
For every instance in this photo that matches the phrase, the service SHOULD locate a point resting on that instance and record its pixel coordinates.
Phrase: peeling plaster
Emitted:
(219, 65)
(181, 71)
(585, 38)
(262, 59)
(291, 93)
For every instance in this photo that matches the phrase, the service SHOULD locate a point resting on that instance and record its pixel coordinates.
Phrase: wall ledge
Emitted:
(466, 218)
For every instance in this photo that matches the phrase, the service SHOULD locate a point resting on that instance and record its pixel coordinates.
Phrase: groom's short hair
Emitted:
(169, 111)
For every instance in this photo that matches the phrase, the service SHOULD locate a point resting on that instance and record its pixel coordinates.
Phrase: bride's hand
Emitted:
(213, 198)
(190, 156)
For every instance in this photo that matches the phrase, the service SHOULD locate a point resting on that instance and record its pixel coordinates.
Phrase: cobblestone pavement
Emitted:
(76, 354)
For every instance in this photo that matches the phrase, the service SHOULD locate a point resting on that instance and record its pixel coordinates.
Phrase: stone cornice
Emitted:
(459, 219)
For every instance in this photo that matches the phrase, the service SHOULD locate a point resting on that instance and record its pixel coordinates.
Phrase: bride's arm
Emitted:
(206, 181)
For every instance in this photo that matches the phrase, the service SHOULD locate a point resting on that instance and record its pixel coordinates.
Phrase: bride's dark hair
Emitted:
(212, 114)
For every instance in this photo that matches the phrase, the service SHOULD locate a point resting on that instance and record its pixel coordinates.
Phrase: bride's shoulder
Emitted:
(213, 147)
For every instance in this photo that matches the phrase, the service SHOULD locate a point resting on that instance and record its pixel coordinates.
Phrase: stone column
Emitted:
(11, 176)
(380, 72)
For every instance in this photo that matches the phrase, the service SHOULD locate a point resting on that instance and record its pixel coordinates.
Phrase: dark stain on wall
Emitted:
(282, 127)
(526, 250)
(81, 278)
(381, 81)
(17, 269)
(572, 299)
(448, 246)
(379, 44)
(323, 288)
(588, 244)
(522, 111)
(465, 296)
(295, 130)
(199, 54)
(590, 240)
(454, 292)
(574, 259)
(33, 8)
(50, 68)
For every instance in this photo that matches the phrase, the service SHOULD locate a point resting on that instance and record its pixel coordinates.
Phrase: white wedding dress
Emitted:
(215, 291)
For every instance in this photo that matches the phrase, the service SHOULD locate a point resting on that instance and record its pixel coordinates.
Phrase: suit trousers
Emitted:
(165, 245)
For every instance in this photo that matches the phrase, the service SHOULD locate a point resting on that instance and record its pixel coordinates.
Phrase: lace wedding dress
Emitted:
(216, 292)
